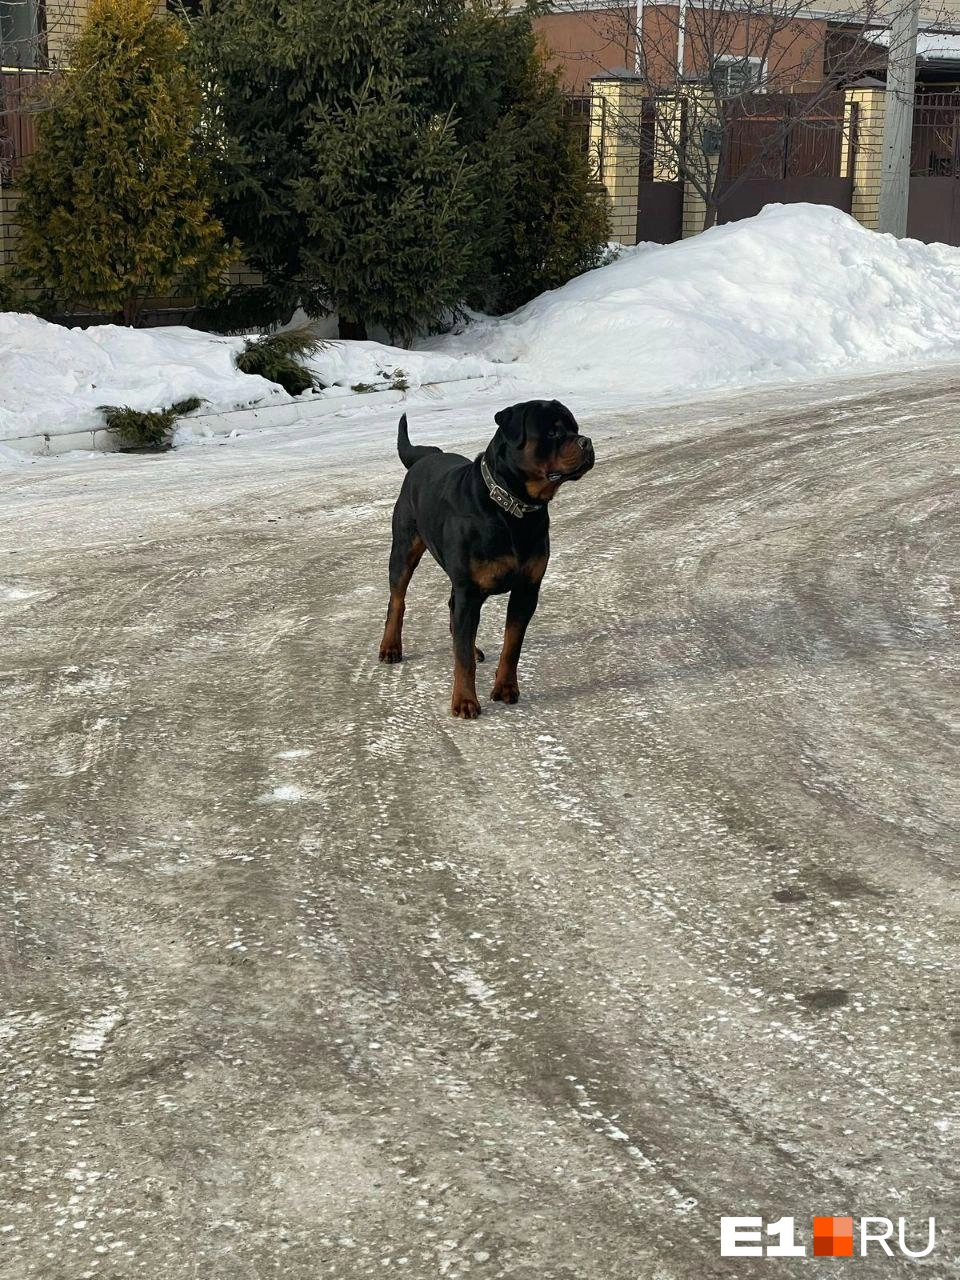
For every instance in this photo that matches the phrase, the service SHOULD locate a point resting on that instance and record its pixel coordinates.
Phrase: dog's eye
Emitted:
(553, 433)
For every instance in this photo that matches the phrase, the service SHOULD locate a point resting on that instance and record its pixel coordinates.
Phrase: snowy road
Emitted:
(302, 977)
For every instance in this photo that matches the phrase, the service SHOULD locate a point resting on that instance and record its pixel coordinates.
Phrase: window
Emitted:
(732, 75)
(21, 31)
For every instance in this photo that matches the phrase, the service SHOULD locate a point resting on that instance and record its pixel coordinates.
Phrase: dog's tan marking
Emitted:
(489, 574)
(535, 569)
(464, 703)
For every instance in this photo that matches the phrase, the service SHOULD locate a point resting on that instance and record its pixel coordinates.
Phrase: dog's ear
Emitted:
(510, 422)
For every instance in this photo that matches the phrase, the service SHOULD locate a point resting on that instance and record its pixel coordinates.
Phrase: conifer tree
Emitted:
(393, 159)
(545, 218)
(341, 186)
(552, 219)
(116, 201)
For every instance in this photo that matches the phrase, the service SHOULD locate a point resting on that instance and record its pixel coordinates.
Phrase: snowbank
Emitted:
(54, 379)
(343, 366)
(799, 292)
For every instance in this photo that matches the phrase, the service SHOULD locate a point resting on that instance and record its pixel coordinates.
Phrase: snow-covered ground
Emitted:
(54, 379)
(304, 977)
(799, 293)
(551, 991)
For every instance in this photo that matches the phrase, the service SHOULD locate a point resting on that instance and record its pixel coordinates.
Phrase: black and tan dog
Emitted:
(486, 524)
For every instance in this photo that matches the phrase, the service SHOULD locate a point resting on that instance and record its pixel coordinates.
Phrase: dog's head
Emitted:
(540, 439)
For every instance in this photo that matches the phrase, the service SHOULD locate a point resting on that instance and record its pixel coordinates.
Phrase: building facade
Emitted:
(781, 46)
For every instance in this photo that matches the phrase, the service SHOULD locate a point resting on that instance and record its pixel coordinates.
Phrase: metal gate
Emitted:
(660, 199)
(933, 213)
(785, 149)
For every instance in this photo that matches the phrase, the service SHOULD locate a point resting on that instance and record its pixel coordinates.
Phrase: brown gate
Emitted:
(784, 149)
(18, 91)
(659, 202)
(934, 210)
(659, 211)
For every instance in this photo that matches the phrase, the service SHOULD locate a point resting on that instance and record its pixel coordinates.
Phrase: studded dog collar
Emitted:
(504, 498)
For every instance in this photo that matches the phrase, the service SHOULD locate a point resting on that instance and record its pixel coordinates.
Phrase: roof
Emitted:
(932, 46)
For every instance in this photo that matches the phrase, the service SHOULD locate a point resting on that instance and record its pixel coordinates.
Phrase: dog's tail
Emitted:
(411, 453)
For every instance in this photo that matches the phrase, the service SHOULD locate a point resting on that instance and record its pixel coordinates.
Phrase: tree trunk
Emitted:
(353, 329)
(710, 215)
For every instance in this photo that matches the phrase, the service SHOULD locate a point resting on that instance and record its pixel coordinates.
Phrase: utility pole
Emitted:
(681, 38)
(898, 121)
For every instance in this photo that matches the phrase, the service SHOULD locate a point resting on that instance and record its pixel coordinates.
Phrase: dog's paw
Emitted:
(391, 653)
(465, 707)
(505, 691)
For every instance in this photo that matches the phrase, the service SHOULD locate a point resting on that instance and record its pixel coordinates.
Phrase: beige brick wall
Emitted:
(64, 20)
(8, 229)
(694, 212)
(701, 118)
(243, 274)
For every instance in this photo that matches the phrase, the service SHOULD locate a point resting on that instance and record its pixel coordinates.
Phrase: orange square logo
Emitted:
(833, 1237)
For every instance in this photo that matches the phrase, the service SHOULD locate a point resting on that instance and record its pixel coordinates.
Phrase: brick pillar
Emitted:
(694, 206)
(704, 131)
(615, 138)
(863, 112)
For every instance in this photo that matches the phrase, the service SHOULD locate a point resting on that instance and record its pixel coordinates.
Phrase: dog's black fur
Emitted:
(445, 507)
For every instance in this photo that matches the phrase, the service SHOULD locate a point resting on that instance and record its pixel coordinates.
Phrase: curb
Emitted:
(48, 444)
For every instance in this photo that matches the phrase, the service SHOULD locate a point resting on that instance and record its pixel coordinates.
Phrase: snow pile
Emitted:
(345, 366)
(54, 379)
(799, 292)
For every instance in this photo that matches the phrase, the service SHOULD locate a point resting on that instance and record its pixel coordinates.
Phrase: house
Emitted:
(792, 46)
(36, 34)
(706, 109)
(35, 39)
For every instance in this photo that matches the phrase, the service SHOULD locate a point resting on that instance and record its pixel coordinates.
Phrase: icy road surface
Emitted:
(303, 978)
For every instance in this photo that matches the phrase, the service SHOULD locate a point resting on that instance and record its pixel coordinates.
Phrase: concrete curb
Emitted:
(99, 440)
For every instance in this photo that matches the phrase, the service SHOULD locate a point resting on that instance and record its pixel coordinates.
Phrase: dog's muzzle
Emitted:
(588, 458)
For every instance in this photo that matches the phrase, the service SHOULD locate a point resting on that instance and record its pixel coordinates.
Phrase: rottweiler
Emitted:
(486, 523)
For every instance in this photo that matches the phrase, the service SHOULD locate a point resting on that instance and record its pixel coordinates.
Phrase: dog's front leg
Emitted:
(521, 608)
(467, 603)
(478, 653)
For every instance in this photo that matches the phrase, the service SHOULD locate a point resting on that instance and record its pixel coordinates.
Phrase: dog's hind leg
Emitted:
(477, 653)
(405, 554)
